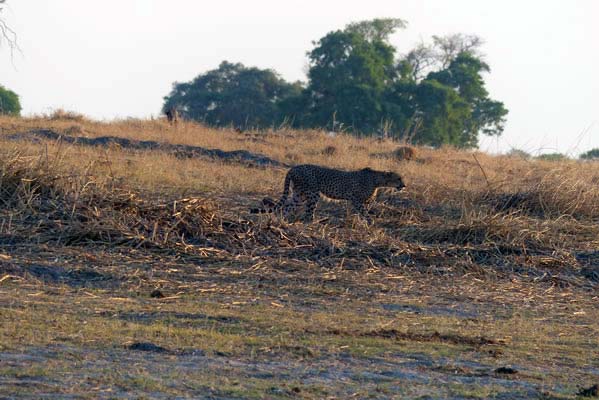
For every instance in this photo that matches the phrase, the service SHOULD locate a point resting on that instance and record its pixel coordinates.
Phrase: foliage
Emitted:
(377, 29)
(438, 55)
(7, 34)
(443, 115)
(592, 154)
(232, 94)
(552, 157)
(433, 95)
(349, 71)
(518, 153)
(9, 102)
(463, 74)
(448, 48)
(355, 84)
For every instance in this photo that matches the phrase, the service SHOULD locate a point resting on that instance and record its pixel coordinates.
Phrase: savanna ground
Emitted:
(131, 273)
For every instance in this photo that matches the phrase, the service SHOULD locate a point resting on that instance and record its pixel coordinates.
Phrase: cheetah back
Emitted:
(335, 184)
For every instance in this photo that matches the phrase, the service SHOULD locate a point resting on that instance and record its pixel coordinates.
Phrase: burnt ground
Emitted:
(106, 293)
(96, 321)
(179, 150)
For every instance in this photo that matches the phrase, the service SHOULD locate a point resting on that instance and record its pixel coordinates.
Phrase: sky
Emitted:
(118, 58)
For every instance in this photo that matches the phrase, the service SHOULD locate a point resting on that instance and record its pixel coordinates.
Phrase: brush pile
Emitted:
(43, 206)
(500, 234)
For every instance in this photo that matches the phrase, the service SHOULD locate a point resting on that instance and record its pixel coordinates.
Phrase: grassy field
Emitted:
(132, 273)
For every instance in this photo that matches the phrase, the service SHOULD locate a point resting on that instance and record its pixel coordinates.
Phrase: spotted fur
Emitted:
(307, 182)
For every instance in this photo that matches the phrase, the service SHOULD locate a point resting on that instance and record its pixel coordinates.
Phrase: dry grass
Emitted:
(492, 260)
(406, 153)
(453, 198)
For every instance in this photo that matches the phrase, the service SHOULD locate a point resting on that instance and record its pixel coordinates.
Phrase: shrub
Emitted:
(64, 115)
(590, 155)
(329, 150)
(9, 102)
(404, 153)
(552, 157)
(517, 153)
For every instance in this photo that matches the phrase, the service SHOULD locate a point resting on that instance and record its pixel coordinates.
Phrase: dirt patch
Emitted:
(592, 391)
(589, 257)
(430, 337)
(147, 369)
(75, 277)
(524, 201)
(394, 334)
(173, 318)
(506, 370)
(146, 346)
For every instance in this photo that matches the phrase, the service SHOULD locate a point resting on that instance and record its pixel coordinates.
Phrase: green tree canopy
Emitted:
(9, 102)
(349, 71)
(234, 95)
(438, 55)
(463, 75)
(592, 154)
(355, 83)
(442, 112)
(518, 153)
(378, 29)
(434, 95)
(552, 157)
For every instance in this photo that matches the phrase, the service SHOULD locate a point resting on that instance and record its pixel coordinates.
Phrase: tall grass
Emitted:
(453, 197)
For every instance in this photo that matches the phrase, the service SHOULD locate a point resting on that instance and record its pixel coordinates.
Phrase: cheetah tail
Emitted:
(269, 205)
(285, 194)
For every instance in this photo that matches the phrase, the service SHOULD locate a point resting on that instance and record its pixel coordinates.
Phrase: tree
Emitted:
(518, 153)
(438, 55)
(417, 63)
(400, 108)
(378, 29)
(434, 95)
(7, 34)
(592, 154)
(349, 71)
(552, 157)
(355, 83)
(463, 74)
(448, 48)
(234, 95)
(9, 102)
(443, 114)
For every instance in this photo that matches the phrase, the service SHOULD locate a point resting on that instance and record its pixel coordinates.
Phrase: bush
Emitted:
(404, 153)
(63, 115)
(517, 153)
(9, 102)
(329, 150)
(590, 155)
(552, 157)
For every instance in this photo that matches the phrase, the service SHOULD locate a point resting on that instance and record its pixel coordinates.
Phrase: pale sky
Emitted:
(118, 58)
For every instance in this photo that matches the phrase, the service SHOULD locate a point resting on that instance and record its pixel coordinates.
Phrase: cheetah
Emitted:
(310, 181)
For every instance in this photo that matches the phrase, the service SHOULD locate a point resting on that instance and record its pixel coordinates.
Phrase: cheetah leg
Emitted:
(311, 202)
(291, 206)
(359, 207)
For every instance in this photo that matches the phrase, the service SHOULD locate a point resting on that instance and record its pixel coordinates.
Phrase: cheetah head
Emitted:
(391, 179)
